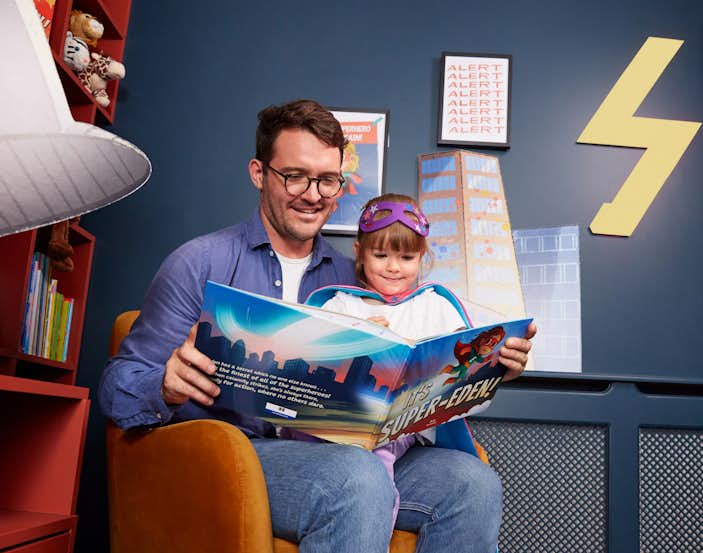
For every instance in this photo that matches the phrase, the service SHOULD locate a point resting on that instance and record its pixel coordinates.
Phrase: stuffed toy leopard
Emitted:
(100, 70)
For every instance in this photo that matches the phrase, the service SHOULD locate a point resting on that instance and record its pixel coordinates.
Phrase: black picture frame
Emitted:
(475, 100)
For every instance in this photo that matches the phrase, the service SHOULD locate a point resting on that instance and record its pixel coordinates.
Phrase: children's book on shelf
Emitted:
(342, 378)
(47, 315)
(45, 9)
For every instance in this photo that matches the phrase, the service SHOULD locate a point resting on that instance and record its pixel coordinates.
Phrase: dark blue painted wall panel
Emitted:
(198, 73)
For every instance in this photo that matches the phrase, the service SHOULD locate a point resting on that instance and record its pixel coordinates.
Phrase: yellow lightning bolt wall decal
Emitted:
(664, 140)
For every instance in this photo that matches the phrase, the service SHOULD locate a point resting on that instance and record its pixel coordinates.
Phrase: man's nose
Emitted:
(312, 194)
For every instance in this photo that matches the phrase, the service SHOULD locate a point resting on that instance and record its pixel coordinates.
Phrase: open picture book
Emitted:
(342, 378)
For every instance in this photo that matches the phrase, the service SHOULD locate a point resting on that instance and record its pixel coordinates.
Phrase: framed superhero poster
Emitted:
(363, 165)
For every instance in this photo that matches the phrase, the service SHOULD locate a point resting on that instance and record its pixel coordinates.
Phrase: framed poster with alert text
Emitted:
(475, 100)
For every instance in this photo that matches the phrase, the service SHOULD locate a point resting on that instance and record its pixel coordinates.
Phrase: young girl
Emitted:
(389, 249)
(390, 246)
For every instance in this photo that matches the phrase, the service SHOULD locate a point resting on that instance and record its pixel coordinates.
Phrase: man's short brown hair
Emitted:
(298, 114)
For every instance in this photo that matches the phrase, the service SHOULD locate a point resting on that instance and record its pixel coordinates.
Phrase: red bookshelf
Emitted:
(42, 435)
(43, 415)
(17, 250)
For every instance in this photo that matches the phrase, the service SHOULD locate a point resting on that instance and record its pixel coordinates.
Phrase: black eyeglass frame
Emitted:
(317, 180)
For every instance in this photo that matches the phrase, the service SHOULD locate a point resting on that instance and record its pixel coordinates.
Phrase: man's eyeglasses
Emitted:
(297, 184)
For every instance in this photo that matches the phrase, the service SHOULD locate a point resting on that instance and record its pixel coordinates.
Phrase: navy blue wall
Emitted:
(198, 74)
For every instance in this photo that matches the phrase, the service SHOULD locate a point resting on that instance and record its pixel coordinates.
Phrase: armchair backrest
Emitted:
(120, 329)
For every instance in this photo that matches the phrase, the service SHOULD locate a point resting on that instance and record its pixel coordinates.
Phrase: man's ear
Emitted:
(256, 173)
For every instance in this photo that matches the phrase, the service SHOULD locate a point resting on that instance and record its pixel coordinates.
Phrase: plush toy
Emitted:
(54, 241)
(95, 76)
(86, 27)
(59, 249)
(100, 68)
(75, 52)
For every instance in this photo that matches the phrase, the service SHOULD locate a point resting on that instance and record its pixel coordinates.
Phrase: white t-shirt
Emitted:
(292, 271)
(427, 314)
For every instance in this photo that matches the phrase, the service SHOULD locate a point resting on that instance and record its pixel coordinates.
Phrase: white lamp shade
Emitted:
(51, 167)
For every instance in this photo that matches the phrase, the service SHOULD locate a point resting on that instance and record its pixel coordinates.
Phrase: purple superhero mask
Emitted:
(398, 212)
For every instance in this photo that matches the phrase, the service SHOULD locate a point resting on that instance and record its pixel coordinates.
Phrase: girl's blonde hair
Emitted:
(395, 236)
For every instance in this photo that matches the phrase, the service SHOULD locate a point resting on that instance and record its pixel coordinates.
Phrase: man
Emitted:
(326, 497)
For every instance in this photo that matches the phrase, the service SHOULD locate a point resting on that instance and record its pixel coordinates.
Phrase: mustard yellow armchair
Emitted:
(191, 486)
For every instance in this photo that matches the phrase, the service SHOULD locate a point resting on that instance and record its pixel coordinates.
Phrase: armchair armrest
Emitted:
(192, 486)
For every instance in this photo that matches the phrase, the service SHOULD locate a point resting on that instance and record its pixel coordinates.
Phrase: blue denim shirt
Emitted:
(239, 256)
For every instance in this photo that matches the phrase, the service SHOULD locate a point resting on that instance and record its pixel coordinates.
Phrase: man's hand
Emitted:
(185, 376)
(514, 353)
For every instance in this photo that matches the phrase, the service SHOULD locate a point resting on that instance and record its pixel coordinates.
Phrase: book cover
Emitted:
(45, 9)
(341, 378)
(44, 275)
(67, 338)
(48, 318)
(36, 298)
(55, 325)
(29, 305)
(58, 354)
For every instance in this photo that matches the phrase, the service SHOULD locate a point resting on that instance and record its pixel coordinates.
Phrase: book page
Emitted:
(341, 319)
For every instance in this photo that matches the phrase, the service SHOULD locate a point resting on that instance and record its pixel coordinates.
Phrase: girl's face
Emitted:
(388, 271)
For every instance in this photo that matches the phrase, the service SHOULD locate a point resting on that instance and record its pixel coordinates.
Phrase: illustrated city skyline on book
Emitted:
(342, 378)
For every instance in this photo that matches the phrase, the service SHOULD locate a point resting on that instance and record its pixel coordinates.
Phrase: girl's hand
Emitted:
(379, 319)
(514, 353)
